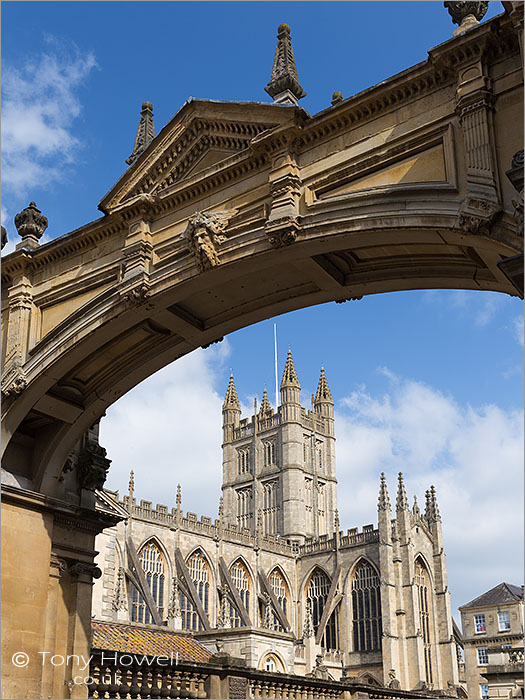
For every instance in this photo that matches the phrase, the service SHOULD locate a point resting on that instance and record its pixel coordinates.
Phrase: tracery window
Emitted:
(151, 560)
(241, 581)
(280, 590)
(244, 461)
(200, 575)
(269, 453)
(422, 581)
(244, 507)
(366, 608)
(317, 593)
(270, 506)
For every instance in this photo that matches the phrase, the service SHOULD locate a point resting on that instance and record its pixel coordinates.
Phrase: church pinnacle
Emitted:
(145, 132)
(265, 409)
(231, 400)
(401, 500)
(323, 390)
(383, 501)
(289, 375)
(284, 84)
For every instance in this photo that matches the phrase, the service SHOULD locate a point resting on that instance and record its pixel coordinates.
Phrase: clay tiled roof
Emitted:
(133, 639)
(502, 593)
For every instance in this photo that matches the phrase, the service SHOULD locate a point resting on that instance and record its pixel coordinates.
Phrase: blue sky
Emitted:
(426, 382)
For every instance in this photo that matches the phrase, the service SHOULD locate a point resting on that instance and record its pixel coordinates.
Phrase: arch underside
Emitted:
(108, 346)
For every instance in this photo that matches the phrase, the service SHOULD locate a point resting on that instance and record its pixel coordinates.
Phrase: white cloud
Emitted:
(39, 106)
(472, 455)
(168, 429)
(518, 329)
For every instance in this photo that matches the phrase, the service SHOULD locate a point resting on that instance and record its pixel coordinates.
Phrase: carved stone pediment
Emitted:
(200, 136)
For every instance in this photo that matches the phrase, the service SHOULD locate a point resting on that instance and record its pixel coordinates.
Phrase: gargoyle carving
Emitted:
(204, 233)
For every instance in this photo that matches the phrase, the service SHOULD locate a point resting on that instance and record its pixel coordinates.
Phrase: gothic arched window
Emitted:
(241, 581)
(270, 507)
(244, 461)
(269, 453)
(366, 608)
(151, 560)
(244, 507)
(422, 581)
(316, 595)
(280, 590)
(200, 575)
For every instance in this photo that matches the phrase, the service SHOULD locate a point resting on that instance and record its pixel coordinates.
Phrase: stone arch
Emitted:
(276, 657)
(419, 555)
(351, 571)
(287, 603)
(306, 579)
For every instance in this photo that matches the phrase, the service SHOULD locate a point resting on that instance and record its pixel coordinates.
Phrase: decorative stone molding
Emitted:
(14, 381)
(93, 464)
(58, 565)
(30, 224)
(84, 569)
(137, 295)
(515, 175)
(466, 14)
(282, 232)
(205, 233)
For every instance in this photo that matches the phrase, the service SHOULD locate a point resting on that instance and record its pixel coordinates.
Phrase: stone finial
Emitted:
(415, 508)
(231, 400)
(178, 497)
(265, 409)
(466, 14)
(401, 500)
(323, 390)
(383, 502)
(427, 505)
(131, 489)
(30, 225)
(119, 599)
(221, 508)
(145, 132)
(337, 97)
(284, 84)
(336, 521)
(4, 237)
(289, 374)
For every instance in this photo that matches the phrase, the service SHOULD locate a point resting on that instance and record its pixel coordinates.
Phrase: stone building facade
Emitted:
(492, 627)
(273, 579)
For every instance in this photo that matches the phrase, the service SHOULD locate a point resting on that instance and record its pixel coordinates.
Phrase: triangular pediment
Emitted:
(198, 138)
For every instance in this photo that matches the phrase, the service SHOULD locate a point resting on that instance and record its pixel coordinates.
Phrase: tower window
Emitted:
(317, 594)
(269, 453)
(200, 575)
(366, 608)
(244, 508)
(270, 506)
(244, 460)
(150, 559)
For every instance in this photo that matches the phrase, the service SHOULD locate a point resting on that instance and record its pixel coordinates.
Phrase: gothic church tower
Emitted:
(279, 468)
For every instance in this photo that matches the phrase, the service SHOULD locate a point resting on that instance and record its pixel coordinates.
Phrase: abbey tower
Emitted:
(279, 467)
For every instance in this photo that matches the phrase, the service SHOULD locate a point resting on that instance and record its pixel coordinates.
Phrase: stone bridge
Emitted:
(236, 212)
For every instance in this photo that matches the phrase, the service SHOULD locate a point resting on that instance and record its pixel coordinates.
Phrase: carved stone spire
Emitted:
(145, 132)
(383, 501)
(224, 610)
(265, 409)
(289, 375)
(231, 400)
(466, 14)
(323, 390)
(401, 500)
(284, 84)
(427, 505)
(178, 498)
(119, 599)
(30, 225)
(415, 507)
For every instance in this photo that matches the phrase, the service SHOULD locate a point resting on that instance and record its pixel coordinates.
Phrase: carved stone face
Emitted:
(204, 248)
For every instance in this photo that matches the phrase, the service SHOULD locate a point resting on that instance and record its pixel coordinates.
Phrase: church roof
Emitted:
(132, 639)
(502, 593)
